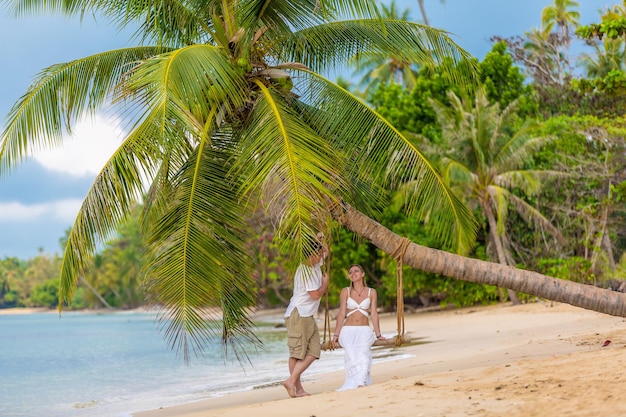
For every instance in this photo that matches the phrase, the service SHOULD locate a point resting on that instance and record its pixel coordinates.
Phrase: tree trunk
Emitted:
(608, 247)
(597, 245)
(94, 291)
(497, 242)
(481, 272)
(423, 11)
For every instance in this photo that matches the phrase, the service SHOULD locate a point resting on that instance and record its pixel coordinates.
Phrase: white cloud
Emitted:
(62, 210)
(85, 152)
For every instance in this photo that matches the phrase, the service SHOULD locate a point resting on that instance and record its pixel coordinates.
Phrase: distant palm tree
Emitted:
(610, 54)
(378, 69)
(562, 15)
(483, 162)
(610, 57)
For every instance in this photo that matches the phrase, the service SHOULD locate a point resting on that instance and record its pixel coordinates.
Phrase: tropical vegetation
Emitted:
(227, 112)
(240, 151)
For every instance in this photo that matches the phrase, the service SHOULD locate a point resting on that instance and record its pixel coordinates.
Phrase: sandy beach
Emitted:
(536, 359)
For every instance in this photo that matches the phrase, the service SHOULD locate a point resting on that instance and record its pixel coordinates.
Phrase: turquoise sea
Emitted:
(115, 364)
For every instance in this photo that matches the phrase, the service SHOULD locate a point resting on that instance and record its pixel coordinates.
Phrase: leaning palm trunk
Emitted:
(481, 272)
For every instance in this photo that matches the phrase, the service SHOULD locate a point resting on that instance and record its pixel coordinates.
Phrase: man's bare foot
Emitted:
(302, 393)
(291, 389)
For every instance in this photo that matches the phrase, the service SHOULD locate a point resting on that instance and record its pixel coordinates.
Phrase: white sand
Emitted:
(530, 360)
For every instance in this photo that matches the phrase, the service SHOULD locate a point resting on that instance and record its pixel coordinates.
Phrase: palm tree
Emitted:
(562, 15)
(610, 57)
(226, 111)
(377, 69)
(483, 162)
(216, 125)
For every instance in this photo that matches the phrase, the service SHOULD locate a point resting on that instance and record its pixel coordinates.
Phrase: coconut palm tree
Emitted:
(483, 161)
(227, 110)
(562, 15)
(610, 57)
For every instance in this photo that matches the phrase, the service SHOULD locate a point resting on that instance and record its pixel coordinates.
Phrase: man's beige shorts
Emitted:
(303, 336)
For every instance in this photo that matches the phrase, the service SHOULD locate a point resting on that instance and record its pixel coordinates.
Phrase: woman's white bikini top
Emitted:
(363, 307)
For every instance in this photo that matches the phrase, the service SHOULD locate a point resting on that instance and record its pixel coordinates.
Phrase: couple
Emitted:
(358, 303)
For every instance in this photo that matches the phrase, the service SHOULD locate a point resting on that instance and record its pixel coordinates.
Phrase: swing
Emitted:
(400, 338)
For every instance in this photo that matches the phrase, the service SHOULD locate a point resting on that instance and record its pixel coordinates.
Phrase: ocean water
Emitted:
(115, 364)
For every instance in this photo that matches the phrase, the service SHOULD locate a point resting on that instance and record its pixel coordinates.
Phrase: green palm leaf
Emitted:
(61, 95)
(278, 150)
(111, 197)
(331, 45)
(380, 158)
(189, 81)
(198, 258)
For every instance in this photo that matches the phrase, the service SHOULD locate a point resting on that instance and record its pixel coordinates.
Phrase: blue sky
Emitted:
(39, 200)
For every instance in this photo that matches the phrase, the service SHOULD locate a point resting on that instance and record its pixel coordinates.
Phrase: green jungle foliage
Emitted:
(410, 110)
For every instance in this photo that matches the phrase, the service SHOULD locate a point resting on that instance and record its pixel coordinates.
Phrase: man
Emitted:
(309, 284)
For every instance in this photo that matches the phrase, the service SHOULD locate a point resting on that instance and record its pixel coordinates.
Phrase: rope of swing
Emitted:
(398, 255)
(327, 344)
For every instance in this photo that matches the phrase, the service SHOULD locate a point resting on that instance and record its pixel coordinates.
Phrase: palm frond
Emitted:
(498, 198)
(518, 148)
(529, 181)
(532, 215)
(277, 148)
(453, 119)
(190, 82)
(284, 16)
(172, 23)
(196, 243)
(455, 172)
(197, 256)
(378, 154)
(60, 95)
(525, 180)
(166, 22)
(67, 7)
(331, 45)
(110, 199)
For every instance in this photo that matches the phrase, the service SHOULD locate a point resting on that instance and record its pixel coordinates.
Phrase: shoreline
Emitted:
(485, 361)
(25, 310)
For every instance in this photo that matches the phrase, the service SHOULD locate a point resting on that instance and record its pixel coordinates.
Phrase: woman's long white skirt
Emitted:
(357, 342)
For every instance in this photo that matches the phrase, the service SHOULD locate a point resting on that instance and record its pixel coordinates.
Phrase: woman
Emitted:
(358, 304)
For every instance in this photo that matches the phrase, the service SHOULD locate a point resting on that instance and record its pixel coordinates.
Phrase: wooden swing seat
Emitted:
(392, 341)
